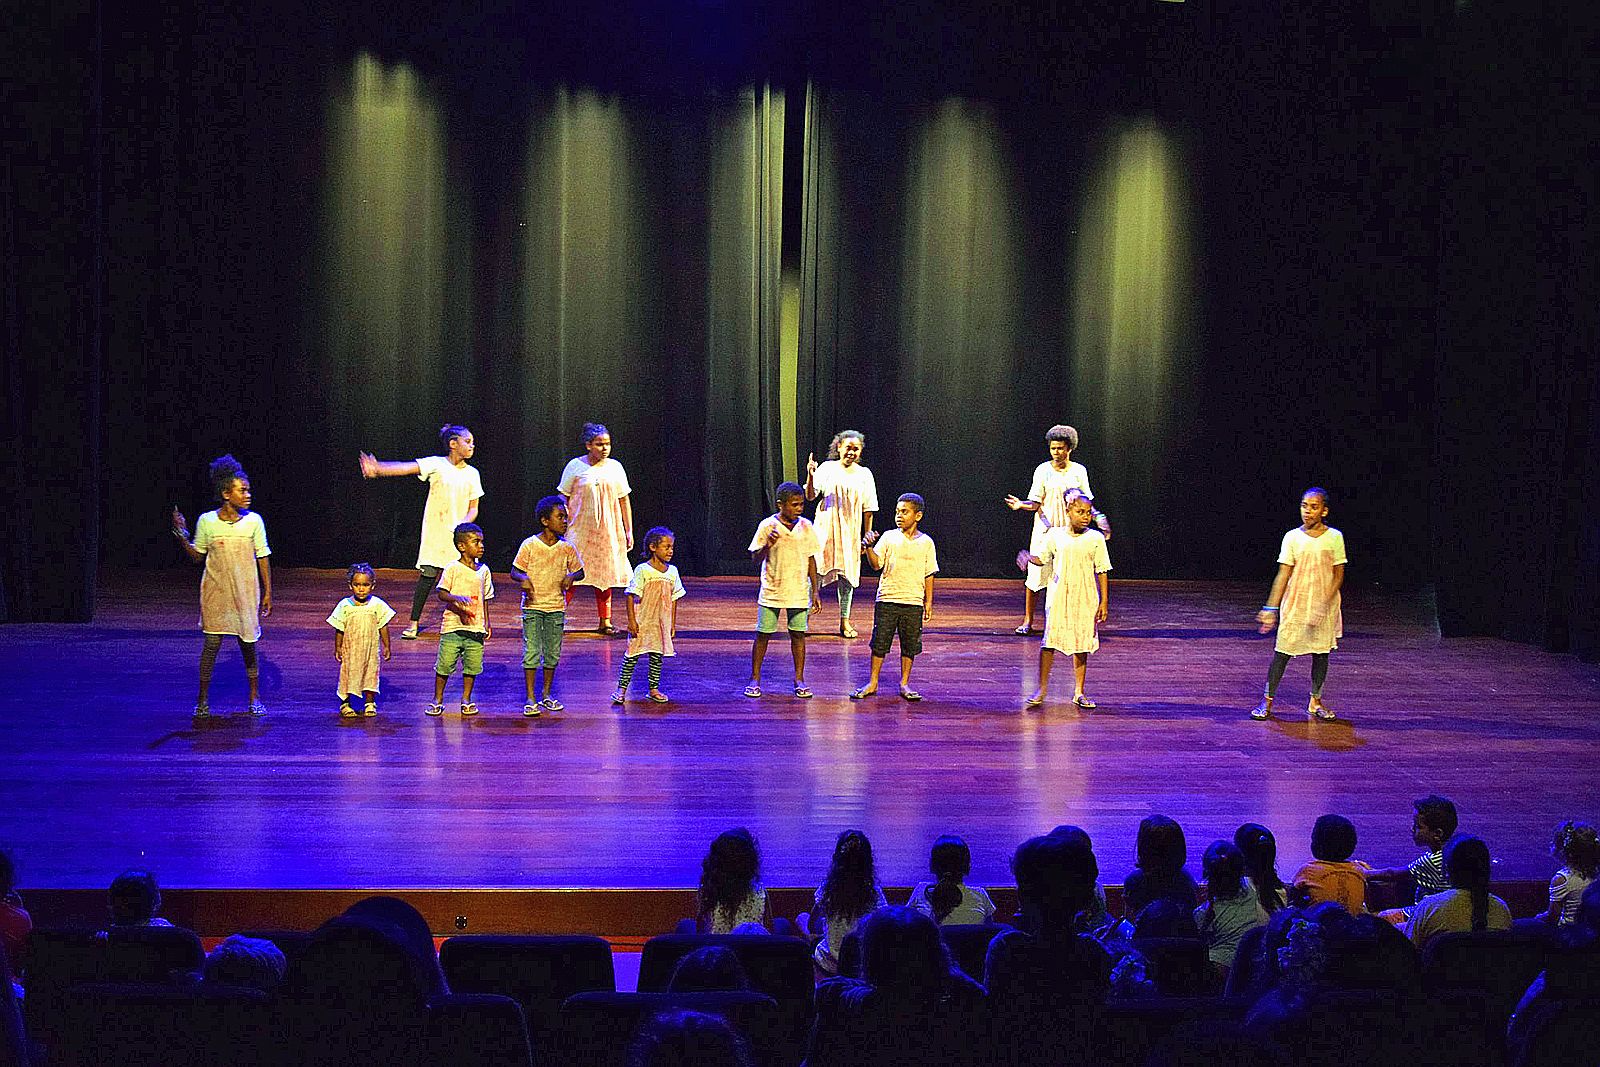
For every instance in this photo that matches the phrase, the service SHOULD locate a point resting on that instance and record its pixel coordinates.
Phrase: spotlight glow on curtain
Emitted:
(1132, 280)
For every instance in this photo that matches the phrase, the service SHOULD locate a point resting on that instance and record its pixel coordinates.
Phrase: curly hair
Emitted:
(728, 873)
(850, 890)
(841, 437)
(1578, 846)
(224, 471)
(360, 568)
(1061, 432)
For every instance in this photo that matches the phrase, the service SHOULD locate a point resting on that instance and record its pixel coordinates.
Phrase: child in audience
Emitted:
(454, 490)
(1433, 824)
(236, 588)
(546, 567)
(1160, 853)
(1304, 602)
(360, 631)
(785, 545)
(653, 595)
(465, 589)
(135, 899)
(731, 897)
(1231, 906)
(1333, 875)
(948, 900)
(15, 923)
(908, 561)
(1076, 602)
(1467, 905)
(1577, 846)
(848, 894)
(1260, 851)
(246, 963)
(709, 969)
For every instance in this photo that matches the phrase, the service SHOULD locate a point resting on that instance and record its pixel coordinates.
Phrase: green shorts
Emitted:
(767, 619)
(465, 646)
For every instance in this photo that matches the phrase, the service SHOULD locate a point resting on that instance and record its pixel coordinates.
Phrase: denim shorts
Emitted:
(541, 638)
(465, 646)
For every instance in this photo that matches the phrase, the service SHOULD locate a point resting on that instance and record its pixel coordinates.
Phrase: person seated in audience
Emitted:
(404, 924)
(1332, 874)
(711, 969)
(1467, 904)
(15, 923)
(1260, 851)
(1160, 854)
(1577, 846)
(245, 963)
(911, 1006)
(1164, 917)
(1231, 906)
(949, 901)
(1096, 918)
(731, 899)
(1572, 975)
(135, 900)
(1432, 824)
(678, 1038)
(844, 898)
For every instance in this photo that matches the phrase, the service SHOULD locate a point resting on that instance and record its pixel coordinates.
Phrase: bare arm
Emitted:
(338, 645)
(1338, 580)
(811, 474)
(472, 510)
(265, 570)
(869, 547)
(372, 467)
(627, 520)
(1268, 615)
(633, 614)
(180, 530)
(816, 583)
(867, 531)
(927, 599)
(1016, 503)
(1105, 594)
(383, 640)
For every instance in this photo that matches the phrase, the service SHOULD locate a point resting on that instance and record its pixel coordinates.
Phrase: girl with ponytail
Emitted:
(1467, 905)
(948, 900)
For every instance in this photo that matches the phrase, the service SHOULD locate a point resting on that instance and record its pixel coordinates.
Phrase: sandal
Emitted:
(658, 697)
(847, 631)
(862, 693)
(369, 711)
(1084, 702)
(468, 710)
(257, 708)
(1034, 701)
(752, 690)
(619, 697)
(606, 629)
(1024, 630)
(202, 711)
(532, 709)
(1262, 711)
(433, 710)
(409, 633)
(346, 711)
(552, 704)
(803, 691)
(1320, 711)
(910, 694)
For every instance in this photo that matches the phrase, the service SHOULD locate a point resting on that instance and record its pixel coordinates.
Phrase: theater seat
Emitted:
(539, 973)
(478, 1029)
(597, 1028)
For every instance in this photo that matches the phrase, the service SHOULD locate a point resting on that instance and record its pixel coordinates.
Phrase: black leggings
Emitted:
(427, 582)
(1280, 661)
(213, 645)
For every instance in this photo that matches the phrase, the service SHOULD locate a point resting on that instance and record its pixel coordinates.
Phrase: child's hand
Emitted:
(774, 533)
(387, 653)
(180, 525)
(816, 601)
(927, 613)
(368, 464)
(1101, 613)
(811, 465)
(266, 604)
(1013, 502)
(1104, 525)
(527, 585)
(871, 538)
(1267, 619)
(338, 654)
(567, 582)
(1023, 559)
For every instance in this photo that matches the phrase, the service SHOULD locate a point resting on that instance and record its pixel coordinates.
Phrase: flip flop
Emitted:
(606, 630)
(1024, 630)
(1033, 702)
(911, 695)
(848, 632)
(862, 693)
(752, 690)
(802, 691)
(658, 698)
(619, 697)
(1084, 702)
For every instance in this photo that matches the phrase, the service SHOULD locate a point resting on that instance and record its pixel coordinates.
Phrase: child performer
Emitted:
(1053, 480)
(596, 490)
(653, 595)
(465, 588)
(360, 626)
(1076, 601)
(785, 545)
(1304, 602)
(545, 567)
(844, 516)
(236, 588)
(908, 561)
(454, 490)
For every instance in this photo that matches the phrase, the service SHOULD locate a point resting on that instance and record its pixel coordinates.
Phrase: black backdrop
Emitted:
(1390, 251)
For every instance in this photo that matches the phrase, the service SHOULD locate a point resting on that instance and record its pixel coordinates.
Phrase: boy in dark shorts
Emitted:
(906, 557)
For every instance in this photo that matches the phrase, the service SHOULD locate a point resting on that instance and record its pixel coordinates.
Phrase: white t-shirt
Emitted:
(478, 585)
(546, 565)
(786, 569)
(451, 490)
(1049, 489)
(907, 562)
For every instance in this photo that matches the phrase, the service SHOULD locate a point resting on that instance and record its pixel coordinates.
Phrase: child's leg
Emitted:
(252, 669)
(466, 688)
(426, 583)
(530, 682)
(551, 627)
(444, 665)
(872, 677)
(1047, 661)
(655, 673)
(908, 626)
(1280, 662)
(905, 672)
(471, 665)
(1319, 673)
(758, 652)
(626, 677)
(530, 654)
(1029, 599)
(1080, 668)
(602, 606)
(209, 647)
(797, 645)
(847, 596)
(369, 701)
(438, 687)
(882, 640)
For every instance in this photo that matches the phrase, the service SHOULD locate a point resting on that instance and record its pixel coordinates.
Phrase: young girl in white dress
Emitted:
(1304, 602)
(360, 633)
(849, 499)
(1053, 481)
(236, 588)
(653, 595)
(454, 490)
(600, 518)
(1075, 562)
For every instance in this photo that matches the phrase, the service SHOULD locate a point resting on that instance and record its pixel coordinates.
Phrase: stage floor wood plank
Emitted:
(104, 770)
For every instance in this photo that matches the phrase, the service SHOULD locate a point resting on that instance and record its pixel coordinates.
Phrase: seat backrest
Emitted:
(778, 966)
(1245, 977)
(597, 1028)
(539, 973)
(1500, 964)
(173, 1025)
(151, 953)
(478, 1028)
(969, 945)
(1126, 1031)
(1179, 966)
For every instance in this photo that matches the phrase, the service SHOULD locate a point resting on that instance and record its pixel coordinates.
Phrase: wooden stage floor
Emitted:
(102, 768)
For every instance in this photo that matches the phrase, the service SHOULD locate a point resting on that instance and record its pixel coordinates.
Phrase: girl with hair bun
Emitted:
(849, 500)
(1053, 481)
(236, 587)
(1577, 846)
(454, 490)
(601, 518)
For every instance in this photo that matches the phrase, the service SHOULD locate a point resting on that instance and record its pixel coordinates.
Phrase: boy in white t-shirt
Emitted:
(786, 546)
(546, 567)
(908, 562)
(465, 588)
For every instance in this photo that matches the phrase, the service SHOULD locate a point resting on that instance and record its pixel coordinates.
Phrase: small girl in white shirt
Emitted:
(360, 632)
(653, 595)
(1577, 846)
(948, 900)
(1231, 908)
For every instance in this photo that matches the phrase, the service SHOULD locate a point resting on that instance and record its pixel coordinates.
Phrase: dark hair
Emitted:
(591, 430)
(135, 898)
(653, 535)
(1160, 845)
(400, 921)
(1467, 865)
(1260, 851)
(841, 437)
(850, 890)
(709, 969)
(8, 874)
(1164, 917)
(1317, 490)
(1437, 814)
(950, 862)
(903, 954)
(546, 507)
(1223, 866)
(1577, 845)
(360, 568)
(1060, 432)
(914, 500)
(1055, 877)
(245, 962)
(787, 491)
(224, 471)
(1333, 838)
(449, 432)
(728, 873)
(678, 1038)
(466, 530)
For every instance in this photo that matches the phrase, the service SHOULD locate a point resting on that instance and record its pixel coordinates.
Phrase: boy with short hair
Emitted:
(786, 546)
(908, 562)
(465, 588)
(546, 567)
(1333, 875)
(1433, 824)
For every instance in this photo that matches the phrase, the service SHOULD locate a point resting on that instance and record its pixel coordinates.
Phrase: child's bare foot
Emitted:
(1035, 700)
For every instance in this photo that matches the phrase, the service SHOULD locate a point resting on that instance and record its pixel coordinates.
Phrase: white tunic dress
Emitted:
(1049, 491)
(594, 493)
(360, 624)
(656, 591)
(1073, 595)
(451, 491)
(845, 495)
(230, 587)
(1309, 617)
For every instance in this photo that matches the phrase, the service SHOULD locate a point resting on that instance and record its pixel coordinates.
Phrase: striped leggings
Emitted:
(630, 662)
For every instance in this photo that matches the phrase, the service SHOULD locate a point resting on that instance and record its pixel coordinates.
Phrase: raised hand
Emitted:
(1013, 502)
(811, 464)
(368, 464)
(774, 533)
(1023, 559)
(180, 525)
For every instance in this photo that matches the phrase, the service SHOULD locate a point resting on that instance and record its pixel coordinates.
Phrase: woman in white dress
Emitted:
(849, 499)
(600, 518)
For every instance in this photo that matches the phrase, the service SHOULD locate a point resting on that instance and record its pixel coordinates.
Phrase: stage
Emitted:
(105, 770)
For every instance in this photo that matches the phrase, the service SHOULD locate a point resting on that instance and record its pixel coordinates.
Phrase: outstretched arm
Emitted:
(1016, 503)
(372, 467)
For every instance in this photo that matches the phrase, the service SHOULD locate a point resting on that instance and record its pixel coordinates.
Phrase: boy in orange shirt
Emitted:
(1333, 875)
